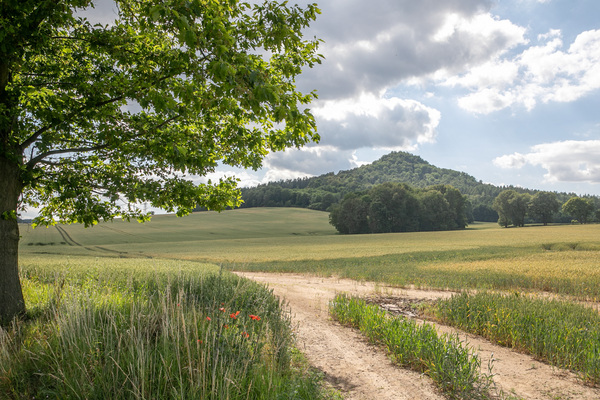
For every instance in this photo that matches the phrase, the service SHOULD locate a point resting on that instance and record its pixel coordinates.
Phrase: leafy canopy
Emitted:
(102, 117)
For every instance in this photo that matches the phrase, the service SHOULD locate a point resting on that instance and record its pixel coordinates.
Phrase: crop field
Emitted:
(563, 259)
(96, 282)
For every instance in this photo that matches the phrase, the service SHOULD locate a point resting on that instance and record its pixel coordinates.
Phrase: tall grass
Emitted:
(564, 334)
(98, 333)
(450, 364)
(573, 272)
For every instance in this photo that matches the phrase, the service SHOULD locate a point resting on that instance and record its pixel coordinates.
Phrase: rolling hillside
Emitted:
(322, 191)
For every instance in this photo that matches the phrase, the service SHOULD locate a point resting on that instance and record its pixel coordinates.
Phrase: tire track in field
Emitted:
(363, 372)
(66, 237)
(72, 242)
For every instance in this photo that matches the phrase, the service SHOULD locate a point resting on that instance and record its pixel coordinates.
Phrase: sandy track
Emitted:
(362, 371)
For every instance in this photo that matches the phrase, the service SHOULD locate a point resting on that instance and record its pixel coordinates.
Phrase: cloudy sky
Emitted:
(506, 91)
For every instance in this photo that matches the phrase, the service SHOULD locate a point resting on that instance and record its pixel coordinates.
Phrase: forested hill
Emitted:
(321, 191)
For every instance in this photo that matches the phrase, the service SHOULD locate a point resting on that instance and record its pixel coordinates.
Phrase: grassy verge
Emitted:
(563, 334)
(141, 329)
(450, 364)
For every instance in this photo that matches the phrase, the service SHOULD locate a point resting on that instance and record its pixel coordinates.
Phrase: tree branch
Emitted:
(41, 156)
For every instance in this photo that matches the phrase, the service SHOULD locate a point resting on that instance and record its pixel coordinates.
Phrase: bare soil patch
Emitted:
(362, 371)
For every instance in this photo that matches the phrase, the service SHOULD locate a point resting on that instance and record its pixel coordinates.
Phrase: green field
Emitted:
(561, 258)
(98, 293)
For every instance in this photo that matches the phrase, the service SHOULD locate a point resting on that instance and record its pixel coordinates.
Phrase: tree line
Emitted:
(398, 207)
(513, 208)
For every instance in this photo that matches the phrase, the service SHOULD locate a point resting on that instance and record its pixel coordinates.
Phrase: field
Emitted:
(560, 261)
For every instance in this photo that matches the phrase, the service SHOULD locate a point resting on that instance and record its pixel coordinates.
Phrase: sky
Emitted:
(507, 91)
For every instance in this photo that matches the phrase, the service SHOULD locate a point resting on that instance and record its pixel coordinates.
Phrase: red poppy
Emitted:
(222, 309)
(208, 318)
(245, 334)
(234, 315)
(255, 317)
(226, 326)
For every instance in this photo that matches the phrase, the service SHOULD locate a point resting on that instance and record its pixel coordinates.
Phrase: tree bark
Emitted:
(11, 294)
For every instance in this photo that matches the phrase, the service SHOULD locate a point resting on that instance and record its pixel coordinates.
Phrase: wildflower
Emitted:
(222, 309)
(199, 341)
(234, 315)
(245, 334)
(255, 317)
(226, 326)
(208, 318)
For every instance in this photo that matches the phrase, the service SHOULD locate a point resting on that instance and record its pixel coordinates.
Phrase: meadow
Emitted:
(120, 271)
(562, 259)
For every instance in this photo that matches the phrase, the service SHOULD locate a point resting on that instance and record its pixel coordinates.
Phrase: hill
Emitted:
(322, 191)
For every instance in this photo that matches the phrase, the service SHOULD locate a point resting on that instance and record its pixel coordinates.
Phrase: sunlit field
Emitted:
(148, 304)
(561, 258)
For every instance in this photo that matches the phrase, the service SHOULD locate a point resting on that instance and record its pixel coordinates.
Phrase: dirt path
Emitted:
(361, 371)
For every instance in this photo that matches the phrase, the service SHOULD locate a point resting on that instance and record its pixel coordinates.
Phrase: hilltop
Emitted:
(322, 191)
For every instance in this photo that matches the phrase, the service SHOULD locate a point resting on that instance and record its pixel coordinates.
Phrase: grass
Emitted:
(142, 329)
(560, 258)
(564, 334)
(450, 364)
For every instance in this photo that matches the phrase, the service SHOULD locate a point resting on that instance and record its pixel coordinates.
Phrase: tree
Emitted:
(543, 205)
(435, 212)
(511, 206)
(350, 216)
(579, 208)
(96, 119)
(457, 203)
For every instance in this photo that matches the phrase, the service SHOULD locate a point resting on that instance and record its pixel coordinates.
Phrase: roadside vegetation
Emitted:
(141, 329)
(444, 358)
(563, 334)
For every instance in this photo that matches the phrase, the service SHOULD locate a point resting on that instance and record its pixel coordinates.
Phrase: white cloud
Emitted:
(515, 160)
(543, 73)
(372, 46)
(308, 161)
(371, 121)
(564, 161)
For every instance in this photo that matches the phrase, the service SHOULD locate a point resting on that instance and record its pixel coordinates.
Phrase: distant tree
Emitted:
(350, 216)
(579, 208)
(394, 208)
(511, 206)
(457, 204)
(543, 205)
(435, 211)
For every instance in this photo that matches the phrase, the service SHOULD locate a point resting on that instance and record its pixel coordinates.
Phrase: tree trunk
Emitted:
(11, 294)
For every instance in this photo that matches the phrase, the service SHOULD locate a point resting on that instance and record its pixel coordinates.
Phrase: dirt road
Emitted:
(361, 371)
